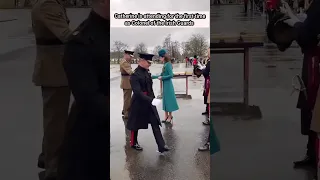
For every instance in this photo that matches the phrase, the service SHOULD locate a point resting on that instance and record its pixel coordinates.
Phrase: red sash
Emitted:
(318, 153)
(313, 77)
(272, 4)
(207, 86)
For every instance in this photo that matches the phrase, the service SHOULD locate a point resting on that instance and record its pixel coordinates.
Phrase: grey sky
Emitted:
(155, 36)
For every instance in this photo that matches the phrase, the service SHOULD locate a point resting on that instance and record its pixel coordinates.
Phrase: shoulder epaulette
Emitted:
(135, 71)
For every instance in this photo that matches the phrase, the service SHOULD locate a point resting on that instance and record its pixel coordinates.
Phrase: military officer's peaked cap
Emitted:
(129, 52)
(147, 57)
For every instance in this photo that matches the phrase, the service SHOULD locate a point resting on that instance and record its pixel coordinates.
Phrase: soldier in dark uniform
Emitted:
(306, 34)
(50, 25)
(143, 105)
(206, 75)
(245, 2)
(86, 147)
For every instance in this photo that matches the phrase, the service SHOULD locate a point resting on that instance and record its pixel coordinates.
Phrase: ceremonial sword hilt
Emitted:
(302, 86)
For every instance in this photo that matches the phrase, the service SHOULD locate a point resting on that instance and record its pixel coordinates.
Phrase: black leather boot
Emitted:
(205, 147)
(307, 161)
(315, 177)
(163, 150)
(41, 161)
(205, 113)
(137, 147)
(206, 122)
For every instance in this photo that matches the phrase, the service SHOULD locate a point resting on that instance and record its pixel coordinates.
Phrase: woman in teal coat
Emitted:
(169, 101)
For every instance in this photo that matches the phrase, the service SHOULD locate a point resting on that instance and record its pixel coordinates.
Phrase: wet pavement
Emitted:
(21, 117)
(261, 149)
(241, 22)
(184, 137)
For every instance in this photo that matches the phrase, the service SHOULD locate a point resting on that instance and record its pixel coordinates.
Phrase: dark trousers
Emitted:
(311, 146)
(194, 69)
(208, 141)
(245, 6)
(306, 116)
(157, 135)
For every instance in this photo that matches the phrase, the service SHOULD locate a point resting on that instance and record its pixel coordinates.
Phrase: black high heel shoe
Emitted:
(170, 121)
(164, 121)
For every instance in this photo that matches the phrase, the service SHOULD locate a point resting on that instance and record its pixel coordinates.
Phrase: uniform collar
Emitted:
(141, 68)
(100, 21)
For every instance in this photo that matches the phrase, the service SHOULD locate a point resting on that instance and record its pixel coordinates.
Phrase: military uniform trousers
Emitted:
(156, 133)
(56, 102)
(127, 94)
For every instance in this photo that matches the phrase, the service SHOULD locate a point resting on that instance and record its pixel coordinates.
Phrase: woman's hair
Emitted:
(166, 59)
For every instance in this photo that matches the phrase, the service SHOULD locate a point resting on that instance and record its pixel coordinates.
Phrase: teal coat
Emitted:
(169, 101)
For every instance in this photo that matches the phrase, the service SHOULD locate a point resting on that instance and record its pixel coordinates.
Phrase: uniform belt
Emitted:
(125, 74)
(48, 42)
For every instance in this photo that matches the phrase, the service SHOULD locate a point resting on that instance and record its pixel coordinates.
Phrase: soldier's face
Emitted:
(209, 53)
(144, 63)
(127, 57)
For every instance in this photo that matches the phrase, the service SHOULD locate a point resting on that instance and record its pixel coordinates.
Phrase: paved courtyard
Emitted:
(261, 149)
(21, 117)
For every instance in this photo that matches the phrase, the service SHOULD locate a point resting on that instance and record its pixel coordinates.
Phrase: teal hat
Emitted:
(162, 52)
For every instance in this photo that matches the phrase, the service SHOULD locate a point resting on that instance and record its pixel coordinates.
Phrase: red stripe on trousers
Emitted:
(317, 150)
(132, 138)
